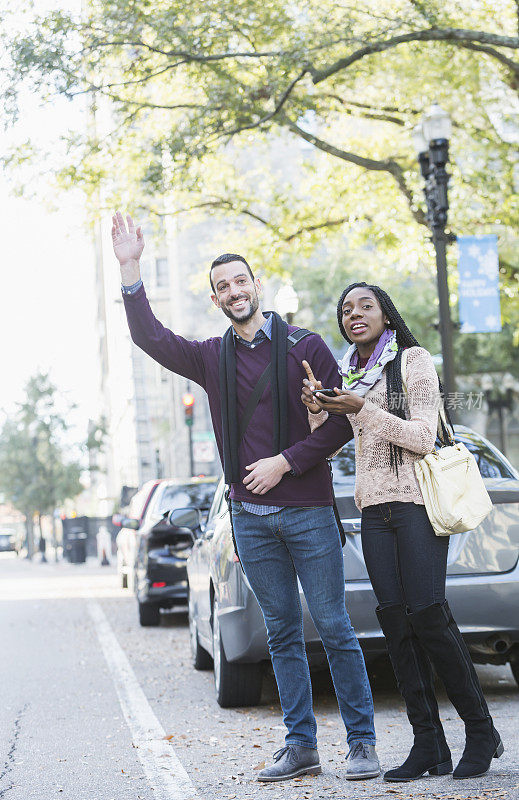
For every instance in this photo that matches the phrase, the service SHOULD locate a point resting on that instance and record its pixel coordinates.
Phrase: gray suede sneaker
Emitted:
(362, 762)
(292, 760)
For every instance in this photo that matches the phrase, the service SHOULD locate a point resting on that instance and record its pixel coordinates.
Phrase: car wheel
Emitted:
(236, 684)
(149, 614)
(201, 658)
(514, 664)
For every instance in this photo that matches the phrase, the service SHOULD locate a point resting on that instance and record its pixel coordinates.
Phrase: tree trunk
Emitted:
(54, 537)
(29, 540)
(42, 542)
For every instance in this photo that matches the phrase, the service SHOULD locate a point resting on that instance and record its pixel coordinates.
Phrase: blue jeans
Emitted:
(406, 561)
(274, 551)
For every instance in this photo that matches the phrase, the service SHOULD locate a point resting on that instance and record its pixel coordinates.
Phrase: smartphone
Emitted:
(326, 392)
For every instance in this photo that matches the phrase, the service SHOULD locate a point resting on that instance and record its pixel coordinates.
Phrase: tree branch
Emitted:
(388, 165)
(223, 203)
(218, 202)
(513, 66)
(353, 158)
(157, 106)
(183, 54)
(457, 36)
(385, 109)
(94, 88)
(365, 111)
(269, 116)
(329, 223)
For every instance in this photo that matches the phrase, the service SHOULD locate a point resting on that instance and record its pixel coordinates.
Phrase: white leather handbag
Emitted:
(454, 494)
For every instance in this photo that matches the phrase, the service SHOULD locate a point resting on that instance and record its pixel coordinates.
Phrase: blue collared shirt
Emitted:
(265, 332)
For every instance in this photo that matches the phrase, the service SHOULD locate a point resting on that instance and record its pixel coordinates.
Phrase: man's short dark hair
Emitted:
(226, 258)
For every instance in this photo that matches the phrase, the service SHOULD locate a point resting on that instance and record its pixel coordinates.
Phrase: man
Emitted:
(281, 492)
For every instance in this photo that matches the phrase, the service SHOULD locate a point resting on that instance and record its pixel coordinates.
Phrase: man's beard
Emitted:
(254, 305)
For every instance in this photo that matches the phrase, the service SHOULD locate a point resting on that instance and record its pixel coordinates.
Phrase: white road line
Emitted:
(165, 774)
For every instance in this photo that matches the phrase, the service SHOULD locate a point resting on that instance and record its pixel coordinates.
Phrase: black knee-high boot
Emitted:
(443, 643)
(430, 752)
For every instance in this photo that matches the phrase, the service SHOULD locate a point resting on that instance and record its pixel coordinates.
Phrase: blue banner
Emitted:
(478, 266)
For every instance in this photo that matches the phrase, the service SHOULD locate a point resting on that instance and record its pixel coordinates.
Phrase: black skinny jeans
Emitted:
(406, 561)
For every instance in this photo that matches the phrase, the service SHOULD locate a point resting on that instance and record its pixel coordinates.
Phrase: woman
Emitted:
(406, 561)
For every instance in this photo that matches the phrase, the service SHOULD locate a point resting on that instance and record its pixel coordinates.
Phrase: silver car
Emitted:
(227, 628)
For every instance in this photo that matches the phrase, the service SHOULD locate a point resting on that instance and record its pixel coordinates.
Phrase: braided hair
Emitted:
(404, 339)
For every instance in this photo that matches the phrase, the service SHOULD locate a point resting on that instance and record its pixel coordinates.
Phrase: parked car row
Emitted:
(227, 631)
(152, 552)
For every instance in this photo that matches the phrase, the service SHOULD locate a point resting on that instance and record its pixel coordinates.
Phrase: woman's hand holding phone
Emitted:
(340, 402)
(324, 392)
(334, 401)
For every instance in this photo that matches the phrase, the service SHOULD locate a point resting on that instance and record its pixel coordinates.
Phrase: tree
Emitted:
(187, 80)
(184, 93)
(414, 294)
(35, 473)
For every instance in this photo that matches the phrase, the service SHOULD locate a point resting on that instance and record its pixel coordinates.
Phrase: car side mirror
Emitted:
(185, 518)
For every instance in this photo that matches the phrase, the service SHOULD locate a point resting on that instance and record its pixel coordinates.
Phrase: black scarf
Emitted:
(279, 389)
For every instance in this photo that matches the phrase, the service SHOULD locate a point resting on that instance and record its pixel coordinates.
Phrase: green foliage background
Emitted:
(292, 123)
(36, 472)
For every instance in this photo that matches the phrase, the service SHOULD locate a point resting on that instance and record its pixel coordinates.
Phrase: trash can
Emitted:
(76, 547)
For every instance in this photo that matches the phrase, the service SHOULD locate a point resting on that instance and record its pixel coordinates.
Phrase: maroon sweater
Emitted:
(310, 485)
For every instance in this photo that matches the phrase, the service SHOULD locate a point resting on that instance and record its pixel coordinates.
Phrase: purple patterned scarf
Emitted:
(361, 379)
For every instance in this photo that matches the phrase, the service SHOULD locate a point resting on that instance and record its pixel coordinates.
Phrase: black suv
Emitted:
(162, 549)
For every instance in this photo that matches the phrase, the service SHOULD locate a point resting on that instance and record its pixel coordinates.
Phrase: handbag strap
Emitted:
(444, 433)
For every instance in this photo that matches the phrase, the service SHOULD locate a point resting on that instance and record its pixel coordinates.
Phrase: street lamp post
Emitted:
(431, 139)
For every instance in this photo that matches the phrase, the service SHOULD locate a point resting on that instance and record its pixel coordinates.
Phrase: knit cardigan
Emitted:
(374, 427)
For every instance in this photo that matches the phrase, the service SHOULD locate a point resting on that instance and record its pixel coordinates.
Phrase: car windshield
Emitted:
(138, 502)
(197, 495)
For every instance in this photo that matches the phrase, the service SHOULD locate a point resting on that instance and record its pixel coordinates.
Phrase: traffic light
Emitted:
(188, 402)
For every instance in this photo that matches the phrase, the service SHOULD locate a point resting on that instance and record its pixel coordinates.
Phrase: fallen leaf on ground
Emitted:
(260, 766)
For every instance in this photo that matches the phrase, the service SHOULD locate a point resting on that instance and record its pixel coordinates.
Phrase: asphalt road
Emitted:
(96, 708)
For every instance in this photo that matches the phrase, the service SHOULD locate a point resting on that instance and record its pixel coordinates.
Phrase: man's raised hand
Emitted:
(128, 246)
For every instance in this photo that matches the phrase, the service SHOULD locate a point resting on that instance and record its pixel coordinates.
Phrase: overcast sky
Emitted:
(47, 302)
